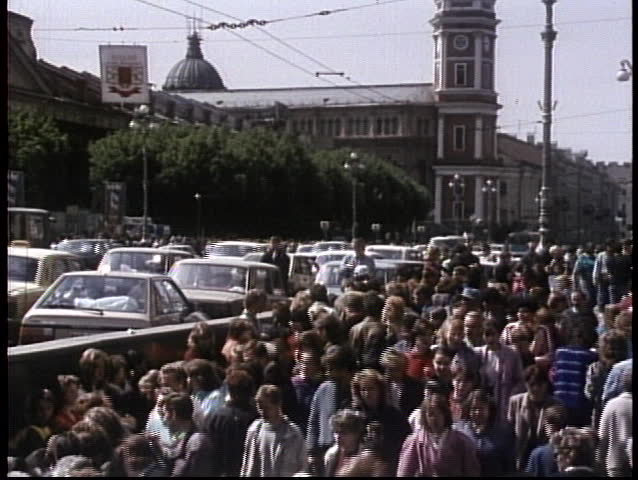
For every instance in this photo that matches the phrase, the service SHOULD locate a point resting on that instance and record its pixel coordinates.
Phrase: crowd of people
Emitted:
(521, 368)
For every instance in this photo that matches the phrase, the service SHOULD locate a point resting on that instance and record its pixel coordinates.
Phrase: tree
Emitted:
(253, 182)
(41, 150)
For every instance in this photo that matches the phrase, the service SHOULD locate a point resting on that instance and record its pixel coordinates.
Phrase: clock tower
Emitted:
(464, 34)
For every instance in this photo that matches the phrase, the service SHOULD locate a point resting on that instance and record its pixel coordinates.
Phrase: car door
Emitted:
(168, 308)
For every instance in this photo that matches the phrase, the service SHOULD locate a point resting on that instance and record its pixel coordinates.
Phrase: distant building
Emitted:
(621, 174)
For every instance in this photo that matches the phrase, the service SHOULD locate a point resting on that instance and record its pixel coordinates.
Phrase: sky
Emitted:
(381, 42)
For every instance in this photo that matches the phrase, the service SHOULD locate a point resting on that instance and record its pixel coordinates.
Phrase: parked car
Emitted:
(328, 275)
(141, 259)
(90, 250)
(406, 268)
(305, 248)
(84, 303)
(394, 252)
(233, 249)
(448, 241)
(30, 271)
(218, 286)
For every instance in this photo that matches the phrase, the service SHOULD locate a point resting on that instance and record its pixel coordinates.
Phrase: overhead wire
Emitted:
(283, 59)
(300, 52)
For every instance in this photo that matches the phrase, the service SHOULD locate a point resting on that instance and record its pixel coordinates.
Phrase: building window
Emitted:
(337, 127)
(321, 126)
(366, 127)
(387, 127)
(349, 127)
(394, 126)
(459, 138)
(378, 128)
(460, 74)
(486, 77)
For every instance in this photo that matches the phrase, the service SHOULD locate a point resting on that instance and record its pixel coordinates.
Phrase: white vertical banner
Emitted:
(124, 70)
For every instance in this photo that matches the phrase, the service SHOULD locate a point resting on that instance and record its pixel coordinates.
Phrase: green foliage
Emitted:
(40, 149)
(252, 182)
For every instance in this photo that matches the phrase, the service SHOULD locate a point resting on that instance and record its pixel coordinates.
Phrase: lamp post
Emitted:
(143, 122)
(420, 230)
(352, 165)
(489, 189)
(198, 199)
(625, 72)
(548, 36)
(458, 188)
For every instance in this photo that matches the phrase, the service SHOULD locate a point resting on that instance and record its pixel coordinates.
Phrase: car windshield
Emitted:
(329, 276)
(210, 277)
(22, 269)
(323, 246)
(115, 294)
(304, 249)
(302, 265)
(136, 262)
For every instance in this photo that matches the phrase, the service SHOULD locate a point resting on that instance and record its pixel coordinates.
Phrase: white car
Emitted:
(141, 260)
(331, 255)
(218, 286)
(233, 249)
(328, 275)
(448, 241)
(84, 303)
(30, 271)
(332, 245)
(394, 252)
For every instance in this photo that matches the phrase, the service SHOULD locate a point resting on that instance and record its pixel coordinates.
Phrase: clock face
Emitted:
(461, 42)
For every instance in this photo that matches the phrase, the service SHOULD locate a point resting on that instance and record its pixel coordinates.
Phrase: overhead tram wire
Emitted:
(283, 59)
(295, 49)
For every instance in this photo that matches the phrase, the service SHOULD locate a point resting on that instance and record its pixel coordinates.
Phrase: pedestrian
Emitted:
(542, 460)
(611, 350)
(614, 383)
(255, 303)
(440, 371)
(372, 309)
(95, 443)
(575, 448)
(240, 331)
(501, 369)
(616, 428)
(473, 329)
(305, 384)
(349, 427)
(569, 371)
(66, 416)
(148, 387)
(332, 395)
(369, 396)
(582, 275)
(350, 262)
(138, 456)
(203, 382)
(276, 255)
(436, 449)
(228, 425)
(39, 417)
(493, 438)
(526, 413)
(453, 341)
(420, 355)
(603, 275)
(274, 445)
(545, 339)
(189, 455)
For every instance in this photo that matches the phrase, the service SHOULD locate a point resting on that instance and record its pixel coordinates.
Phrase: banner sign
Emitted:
(124, 70)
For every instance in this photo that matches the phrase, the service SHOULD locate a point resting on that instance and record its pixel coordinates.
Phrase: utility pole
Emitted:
(544, 219)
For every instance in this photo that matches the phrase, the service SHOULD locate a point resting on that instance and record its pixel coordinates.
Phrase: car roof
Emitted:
(146, 250)
(69, 240)
(391, 247)
(38, 252)
(225, 261)
(233, 242)
(93, 273)
(377, 264)
(305, 254)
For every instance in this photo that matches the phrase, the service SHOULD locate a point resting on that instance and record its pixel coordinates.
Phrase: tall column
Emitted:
(478, 138)
(478, 198)
(497, 203)
(478, 60)
(439, 139)
(438, 198)
(443, 39)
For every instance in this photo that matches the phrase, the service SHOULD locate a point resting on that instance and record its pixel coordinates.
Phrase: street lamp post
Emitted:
(198, 199)
(352, 165)
(548, 36)
(489, 189)
(143, 122)
(458, 188)
(625, 72)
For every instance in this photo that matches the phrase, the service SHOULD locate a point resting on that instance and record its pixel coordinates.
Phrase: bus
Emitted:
(31, 225)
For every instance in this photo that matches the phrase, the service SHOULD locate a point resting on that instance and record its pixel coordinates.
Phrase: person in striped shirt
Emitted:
(569, 372)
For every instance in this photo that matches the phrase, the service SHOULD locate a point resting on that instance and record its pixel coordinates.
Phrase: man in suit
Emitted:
(276, 255)
(527, 412)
